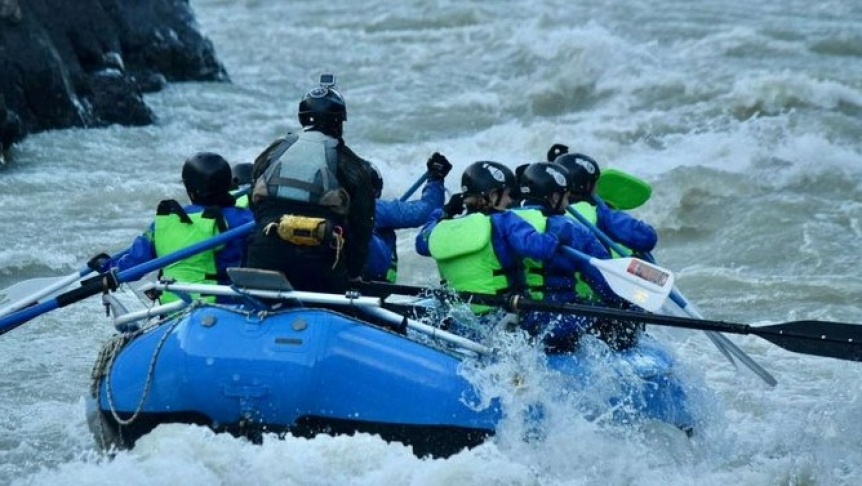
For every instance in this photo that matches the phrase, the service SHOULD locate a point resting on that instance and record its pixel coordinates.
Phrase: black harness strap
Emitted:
(310, 188)
(171, 206)
(215, 212)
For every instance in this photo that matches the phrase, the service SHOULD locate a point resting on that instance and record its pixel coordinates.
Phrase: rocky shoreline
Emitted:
(86, 63)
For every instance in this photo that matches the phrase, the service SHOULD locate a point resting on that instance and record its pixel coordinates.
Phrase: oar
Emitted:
(371, 305)
(435, 333)
(724, 345)
(110, 281)
(838, 340)
(228, 291)
(47, 286)
(642, 283)
(421, 180)
(22, 293)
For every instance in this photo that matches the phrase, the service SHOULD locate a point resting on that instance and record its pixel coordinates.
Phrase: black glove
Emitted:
(438, 167)
(455, 206)
(99, 263)
(557, 150)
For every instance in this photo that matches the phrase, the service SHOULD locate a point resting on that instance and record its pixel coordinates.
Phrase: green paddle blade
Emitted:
(622, 191)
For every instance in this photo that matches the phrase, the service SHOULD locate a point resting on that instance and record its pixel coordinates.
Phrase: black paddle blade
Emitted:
(819, 338)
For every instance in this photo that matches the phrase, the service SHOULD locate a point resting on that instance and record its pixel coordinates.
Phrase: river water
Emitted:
(745, 117)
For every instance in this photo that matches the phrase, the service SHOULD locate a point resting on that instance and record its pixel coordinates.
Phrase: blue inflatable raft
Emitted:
(327, 364)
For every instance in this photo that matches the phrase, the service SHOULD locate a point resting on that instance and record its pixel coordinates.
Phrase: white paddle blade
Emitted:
(637, 281)
(28, 292)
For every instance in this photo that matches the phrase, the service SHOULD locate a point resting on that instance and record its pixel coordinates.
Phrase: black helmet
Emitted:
(542, 179)
(583, 173)
(207, 177)
(323, 108)
(376, 181)
(480, 178)
(241, 175)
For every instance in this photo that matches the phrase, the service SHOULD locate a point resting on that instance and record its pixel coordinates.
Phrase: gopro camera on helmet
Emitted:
(323, 107)
(327, 80)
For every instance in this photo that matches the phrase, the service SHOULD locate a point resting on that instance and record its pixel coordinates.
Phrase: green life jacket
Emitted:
(242, 201)
(587, 210)
(465, 256)
(591, 214)
(174, 230)
(534, 271)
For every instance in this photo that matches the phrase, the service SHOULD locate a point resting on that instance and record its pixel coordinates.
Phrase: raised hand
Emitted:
(438, 167)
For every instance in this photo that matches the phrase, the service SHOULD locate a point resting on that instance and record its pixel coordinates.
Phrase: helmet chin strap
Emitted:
(556, 206)
(491, 204)
(553, 204)
(499, 199)
(578, 196)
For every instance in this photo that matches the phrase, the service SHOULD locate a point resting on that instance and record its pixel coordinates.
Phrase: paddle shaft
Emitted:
(421, 180)
(818, 338)
(61, 283)
(372, 305)
(64, 282)
(431, 331)
(724, 345)
(303, 296)
(109, 281)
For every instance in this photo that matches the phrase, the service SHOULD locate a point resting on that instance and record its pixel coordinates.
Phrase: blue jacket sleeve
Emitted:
(577, 236)
(425, 233)
(395, 214)
(623, 228)
(514, 238)
(141, 251)
(379, 259)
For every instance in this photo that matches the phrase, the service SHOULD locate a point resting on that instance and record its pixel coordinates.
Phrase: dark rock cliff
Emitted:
(85, 63)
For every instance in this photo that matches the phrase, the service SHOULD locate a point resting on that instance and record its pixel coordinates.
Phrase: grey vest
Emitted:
(305, 171)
